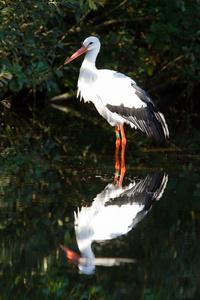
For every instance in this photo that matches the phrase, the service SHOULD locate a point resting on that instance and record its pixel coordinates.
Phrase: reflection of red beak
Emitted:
(82, 50)
(71, 255)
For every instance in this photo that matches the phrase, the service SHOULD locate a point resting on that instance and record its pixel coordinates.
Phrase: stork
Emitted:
(117, 97)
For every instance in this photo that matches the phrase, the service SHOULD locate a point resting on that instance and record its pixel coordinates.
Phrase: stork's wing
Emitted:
(144, 193)
(121, 95)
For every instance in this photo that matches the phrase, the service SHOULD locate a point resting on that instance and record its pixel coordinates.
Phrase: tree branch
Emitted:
(62, 97)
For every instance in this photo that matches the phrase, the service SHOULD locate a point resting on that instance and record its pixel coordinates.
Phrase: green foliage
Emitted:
(4, 76)
(31, 39)
(174, 35)
(151, 39)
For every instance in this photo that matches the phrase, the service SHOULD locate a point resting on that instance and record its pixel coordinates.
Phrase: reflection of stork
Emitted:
(114, 212)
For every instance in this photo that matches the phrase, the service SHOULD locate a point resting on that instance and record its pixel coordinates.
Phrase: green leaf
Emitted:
(150, 37)
(20, 82)
(92, 5)
(155, 27)
(58, 73)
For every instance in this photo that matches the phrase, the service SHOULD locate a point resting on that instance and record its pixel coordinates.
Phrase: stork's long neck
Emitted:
(90, 60)
(87, 76)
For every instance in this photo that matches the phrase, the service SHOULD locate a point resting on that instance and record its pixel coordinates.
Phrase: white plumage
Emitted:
(117, 97)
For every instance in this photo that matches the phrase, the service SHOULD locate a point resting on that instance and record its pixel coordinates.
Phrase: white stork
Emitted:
(117, 97)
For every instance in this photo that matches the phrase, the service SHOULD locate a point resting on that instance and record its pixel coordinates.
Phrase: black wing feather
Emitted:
(148, 119)
(145, 192)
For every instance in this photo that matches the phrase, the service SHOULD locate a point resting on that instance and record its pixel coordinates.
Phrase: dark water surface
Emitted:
(137, 241)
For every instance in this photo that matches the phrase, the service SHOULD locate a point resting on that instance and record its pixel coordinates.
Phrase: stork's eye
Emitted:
(90, 43)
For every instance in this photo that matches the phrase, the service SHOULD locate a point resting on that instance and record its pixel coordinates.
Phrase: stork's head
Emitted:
(89, 44)
(92, 42)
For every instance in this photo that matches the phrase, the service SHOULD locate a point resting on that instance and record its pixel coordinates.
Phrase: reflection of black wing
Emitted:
(144, 193)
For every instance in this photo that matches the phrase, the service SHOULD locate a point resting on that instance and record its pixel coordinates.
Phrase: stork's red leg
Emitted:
(117, 164)
(123, 168)
(123, 139)
(117, 142)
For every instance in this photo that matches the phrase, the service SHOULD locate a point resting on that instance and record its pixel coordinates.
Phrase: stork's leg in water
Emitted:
(117, 164)
(123, 140)
(123, 168)
(117, 143)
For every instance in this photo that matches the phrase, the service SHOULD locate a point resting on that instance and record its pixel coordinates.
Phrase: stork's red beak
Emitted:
(82, 50)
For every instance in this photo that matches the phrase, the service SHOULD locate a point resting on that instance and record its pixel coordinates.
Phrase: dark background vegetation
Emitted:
(52, 161)
(154, 42)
